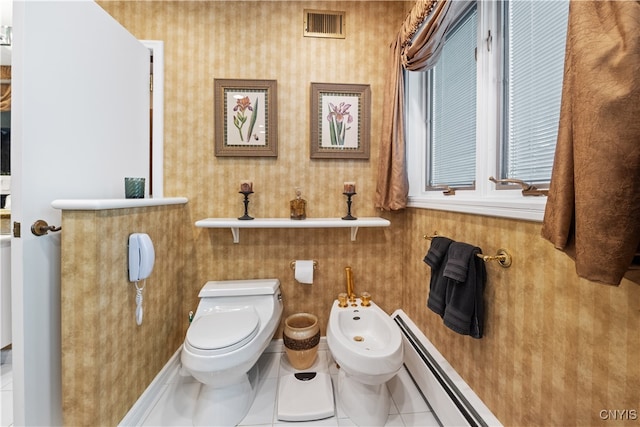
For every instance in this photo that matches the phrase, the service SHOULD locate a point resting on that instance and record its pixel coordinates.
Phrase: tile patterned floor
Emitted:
(175, 405)
(176, 402)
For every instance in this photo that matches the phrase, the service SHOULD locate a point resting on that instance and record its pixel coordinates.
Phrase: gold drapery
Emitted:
(430, 20)
(392, 186)
(5, 88)
(593, 209)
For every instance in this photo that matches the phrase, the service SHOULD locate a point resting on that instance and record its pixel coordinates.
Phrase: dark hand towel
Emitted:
(464, 304)
(436, 258)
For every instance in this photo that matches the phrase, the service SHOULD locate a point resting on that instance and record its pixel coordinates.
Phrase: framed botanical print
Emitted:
(245, 117)
(340, 121)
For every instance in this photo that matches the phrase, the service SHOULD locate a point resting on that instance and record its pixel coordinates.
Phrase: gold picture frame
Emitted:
(245, 118)
(340, 121)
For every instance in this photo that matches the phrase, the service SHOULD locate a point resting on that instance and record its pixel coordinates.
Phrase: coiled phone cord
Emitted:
(139, 302)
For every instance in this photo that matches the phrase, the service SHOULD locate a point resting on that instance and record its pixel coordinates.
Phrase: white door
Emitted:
(80, 119)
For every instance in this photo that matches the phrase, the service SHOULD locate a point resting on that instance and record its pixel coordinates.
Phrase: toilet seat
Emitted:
(222, 331)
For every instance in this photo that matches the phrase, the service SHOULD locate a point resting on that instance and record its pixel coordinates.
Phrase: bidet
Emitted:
(367, 345)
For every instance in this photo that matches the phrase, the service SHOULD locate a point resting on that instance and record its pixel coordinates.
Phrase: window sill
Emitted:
(530, 209)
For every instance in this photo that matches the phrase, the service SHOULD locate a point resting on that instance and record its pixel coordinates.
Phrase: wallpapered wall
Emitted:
(557, 349)
(253, 40)
(264, 40)
(107, 359)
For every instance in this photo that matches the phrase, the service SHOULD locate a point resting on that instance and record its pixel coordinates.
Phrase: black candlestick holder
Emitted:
(246, 205)
(348, 216)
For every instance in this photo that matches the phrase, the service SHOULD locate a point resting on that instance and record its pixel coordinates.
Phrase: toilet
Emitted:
(367, 345)
(233, 324)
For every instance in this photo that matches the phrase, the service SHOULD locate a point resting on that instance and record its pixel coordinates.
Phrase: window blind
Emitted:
(452, 152)
(534, 65)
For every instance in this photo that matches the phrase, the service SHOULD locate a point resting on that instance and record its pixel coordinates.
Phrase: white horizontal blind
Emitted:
(534, 52)
(452, 152)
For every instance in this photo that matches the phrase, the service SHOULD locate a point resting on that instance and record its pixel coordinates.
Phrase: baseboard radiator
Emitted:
(451, 399)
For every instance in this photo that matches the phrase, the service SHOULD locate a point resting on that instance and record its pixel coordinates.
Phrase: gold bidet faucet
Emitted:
(351, 292)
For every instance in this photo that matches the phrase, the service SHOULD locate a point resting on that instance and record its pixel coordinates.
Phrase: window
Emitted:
(534, 65)
(452, 91)
(490, 107)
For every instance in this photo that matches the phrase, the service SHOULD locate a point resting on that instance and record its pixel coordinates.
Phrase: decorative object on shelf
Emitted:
(301, 336)
(134, 188)
(298, 206)
(349, 191)
(246, 188)
(340, 121)
(245, 118)
(349, 187)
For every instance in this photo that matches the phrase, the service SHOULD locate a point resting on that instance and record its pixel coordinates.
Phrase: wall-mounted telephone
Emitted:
(141, 256)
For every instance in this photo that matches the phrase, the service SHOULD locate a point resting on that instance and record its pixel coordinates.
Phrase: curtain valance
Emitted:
(416, 48)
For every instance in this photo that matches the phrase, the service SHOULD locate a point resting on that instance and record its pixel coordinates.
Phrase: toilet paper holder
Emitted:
(292, 264)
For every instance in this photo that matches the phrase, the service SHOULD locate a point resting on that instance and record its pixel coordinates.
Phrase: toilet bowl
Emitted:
(367, 346)
(233, 324)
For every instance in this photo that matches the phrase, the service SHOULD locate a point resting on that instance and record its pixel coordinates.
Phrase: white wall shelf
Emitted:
(235, 224)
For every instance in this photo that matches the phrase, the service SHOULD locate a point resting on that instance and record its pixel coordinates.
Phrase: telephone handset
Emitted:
(141, 256)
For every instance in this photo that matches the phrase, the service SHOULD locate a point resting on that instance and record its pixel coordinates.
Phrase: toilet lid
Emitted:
(221, 329)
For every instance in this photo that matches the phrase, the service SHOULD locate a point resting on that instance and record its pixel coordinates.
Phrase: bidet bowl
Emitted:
(365, 342)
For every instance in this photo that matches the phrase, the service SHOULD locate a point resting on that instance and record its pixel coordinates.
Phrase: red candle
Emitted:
(349, 187)
(246, 186)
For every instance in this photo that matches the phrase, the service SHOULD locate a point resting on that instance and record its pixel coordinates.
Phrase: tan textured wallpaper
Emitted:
(107, 359)
(251, 40)
(264, 40)
(557, 349)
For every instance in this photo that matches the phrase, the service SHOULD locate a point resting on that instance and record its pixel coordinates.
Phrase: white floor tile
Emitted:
(420, 419)
(263, 407)
(405, 394)
(6, 406)
(394, 420)
(346, 422)
(269, 364)
(175, 407)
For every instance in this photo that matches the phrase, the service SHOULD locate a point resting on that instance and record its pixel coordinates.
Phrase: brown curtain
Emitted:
(5, 89)
(392, 186)
(431, 20)
(593, 209)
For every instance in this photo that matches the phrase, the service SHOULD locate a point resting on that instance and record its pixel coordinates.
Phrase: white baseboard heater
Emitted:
(450, 398)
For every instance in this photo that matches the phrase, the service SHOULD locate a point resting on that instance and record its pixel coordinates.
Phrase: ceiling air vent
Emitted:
(323, 23)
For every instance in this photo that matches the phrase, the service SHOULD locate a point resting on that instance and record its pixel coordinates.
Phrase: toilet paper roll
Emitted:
(304, 271)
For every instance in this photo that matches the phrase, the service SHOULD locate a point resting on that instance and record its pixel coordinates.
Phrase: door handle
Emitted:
(40, 228)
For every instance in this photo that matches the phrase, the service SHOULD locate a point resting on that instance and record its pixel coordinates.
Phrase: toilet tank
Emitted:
(228, 288)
